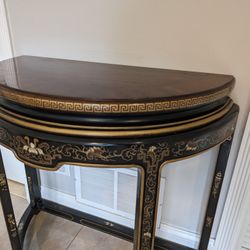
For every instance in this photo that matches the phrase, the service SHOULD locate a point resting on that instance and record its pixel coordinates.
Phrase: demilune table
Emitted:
(56, 112)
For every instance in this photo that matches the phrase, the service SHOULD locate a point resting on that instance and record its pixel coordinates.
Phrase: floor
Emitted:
(48, 232)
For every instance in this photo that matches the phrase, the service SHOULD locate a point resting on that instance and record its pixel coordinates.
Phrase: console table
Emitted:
(56, 112)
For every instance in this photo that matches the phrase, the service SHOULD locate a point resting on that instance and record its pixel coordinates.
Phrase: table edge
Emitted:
(57, 103)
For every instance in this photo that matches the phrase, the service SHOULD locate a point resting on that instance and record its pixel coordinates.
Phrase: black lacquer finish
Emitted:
(51, 151)
(107, 120)
(24, 222)
(8, 209)
(48, 131)
(215, 191)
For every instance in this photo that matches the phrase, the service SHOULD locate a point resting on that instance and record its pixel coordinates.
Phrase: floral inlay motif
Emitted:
(32, 147)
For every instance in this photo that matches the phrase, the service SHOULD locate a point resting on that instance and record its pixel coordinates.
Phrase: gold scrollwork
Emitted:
(12, 225)
(147, 235)
(209, 221)
(151, 157)
(191, 148)
(217, 183)
(3, 182)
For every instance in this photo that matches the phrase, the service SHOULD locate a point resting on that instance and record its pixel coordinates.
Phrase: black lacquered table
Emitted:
(56, 112)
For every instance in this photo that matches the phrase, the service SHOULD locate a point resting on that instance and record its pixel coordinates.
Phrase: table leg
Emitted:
(138, 210)
(215, 192)
(32, 175)
(148, 209)
(8, 209)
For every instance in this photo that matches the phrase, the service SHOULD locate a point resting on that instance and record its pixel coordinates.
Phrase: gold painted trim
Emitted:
(12, 225)
(55, 103)
(209, 221)
(217, 184)
(141, 172)
(111, 128)
(3, 182)
(164, 164)
(118, 133)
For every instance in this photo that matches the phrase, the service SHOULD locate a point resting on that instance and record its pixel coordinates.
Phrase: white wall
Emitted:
(5, 44)
(209, 36)
(14, 169)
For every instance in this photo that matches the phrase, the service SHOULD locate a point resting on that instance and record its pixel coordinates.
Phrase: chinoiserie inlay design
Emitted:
(31, 147)
(209, 221)
(85, 107)
(217, 183)
(148, 235)
(3, 182)
(48, 154)
(12, 225)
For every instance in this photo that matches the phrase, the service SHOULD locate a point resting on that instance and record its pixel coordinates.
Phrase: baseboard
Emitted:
(70, 201)
(17, 189)
(167, 232)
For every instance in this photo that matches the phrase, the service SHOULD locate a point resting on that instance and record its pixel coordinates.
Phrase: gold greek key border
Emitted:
(112, 108)
(118, 133)
(56, 124)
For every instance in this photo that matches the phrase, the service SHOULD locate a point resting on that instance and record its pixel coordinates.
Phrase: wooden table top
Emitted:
(88, 87)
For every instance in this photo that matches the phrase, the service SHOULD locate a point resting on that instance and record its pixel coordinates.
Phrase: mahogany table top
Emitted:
(90, 87)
